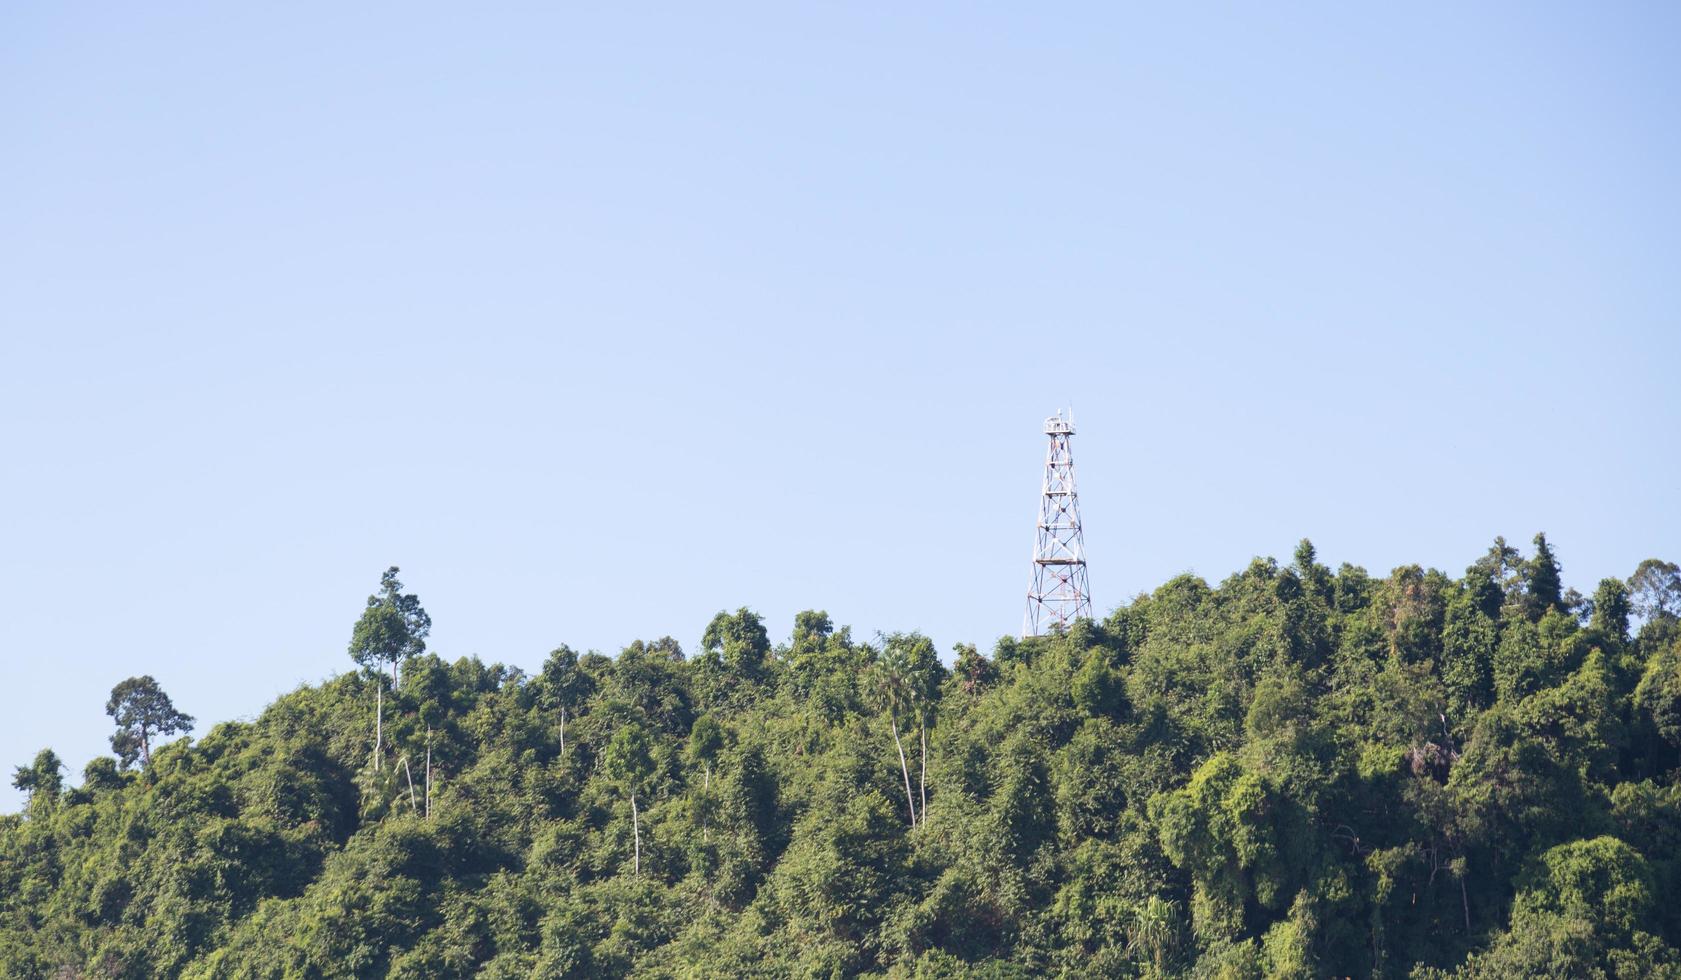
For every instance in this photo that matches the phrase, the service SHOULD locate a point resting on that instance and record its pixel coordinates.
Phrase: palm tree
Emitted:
(1154, 929)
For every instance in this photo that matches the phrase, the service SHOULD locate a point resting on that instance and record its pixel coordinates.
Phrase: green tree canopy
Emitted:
(392, 628)
(1289, 772)
(739, 640)
(143, 713)
(1655, 590)
(41, 779)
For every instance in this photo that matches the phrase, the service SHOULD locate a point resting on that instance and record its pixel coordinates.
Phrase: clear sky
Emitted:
(598, 319)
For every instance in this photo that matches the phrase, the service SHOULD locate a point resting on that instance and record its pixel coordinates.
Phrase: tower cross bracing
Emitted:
(1059, 593)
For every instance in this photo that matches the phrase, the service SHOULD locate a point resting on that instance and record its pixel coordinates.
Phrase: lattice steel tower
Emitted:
(1059, 594)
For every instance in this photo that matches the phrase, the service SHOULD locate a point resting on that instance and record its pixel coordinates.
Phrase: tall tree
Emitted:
(1542, 586)
(973, 670)
(1470, 635)
(562, 686)
(1610, 609)
(1502, 564)
(1655, 590)
(812, 627)
(925, 676)
(706, 740)
(630, 764)
(740, 640)
(1316, 578)
(143, 713)
(896, 682)
(42, 779)
(392, 628)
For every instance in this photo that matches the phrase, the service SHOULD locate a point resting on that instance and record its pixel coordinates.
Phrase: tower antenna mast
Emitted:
(1059, 593)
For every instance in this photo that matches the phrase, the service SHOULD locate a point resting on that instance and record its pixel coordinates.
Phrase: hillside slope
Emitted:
(1299, 772)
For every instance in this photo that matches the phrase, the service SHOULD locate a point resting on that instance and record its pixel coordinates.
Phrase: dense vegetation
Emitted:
(1300, 772)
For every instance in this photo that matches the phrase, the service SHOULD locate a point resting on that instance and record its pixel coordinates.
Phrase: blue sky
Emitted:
(599, 320)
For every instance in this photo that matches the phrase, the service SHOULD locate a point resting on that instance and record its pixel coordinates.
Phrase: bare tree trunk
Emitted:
(1465, 904)
(428, 772)
(379, 721)
(904, 767)
(636, 829)
(409, 775)
(145, 749)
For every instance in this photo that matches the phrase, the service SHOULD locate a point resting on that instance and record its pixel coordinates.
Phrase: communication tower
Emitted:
(1059, 593)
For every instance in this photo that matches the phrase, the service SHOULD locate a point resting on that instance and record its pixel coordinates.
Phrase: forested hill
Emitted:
(1301, 772)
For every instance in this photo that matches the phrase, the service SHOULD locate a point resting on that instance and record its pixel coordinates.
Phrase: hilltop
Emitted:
(1296, 772)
